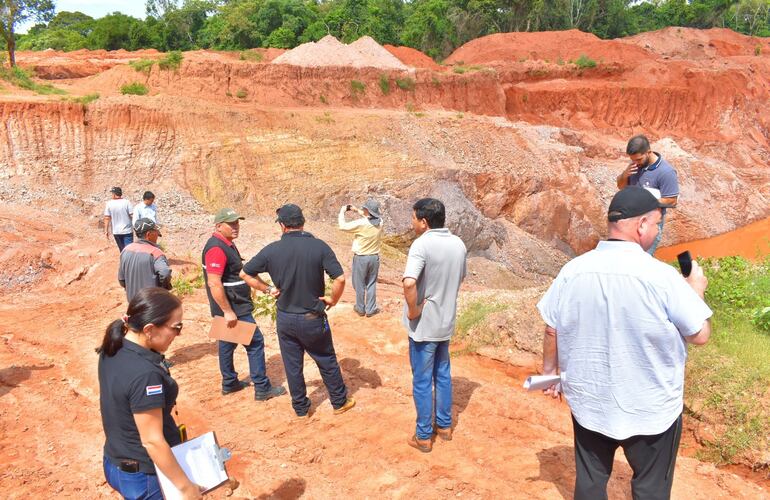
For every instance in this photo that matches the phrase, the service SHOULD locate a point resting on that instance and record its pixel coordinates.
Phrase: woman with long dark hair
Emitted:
(137, 395)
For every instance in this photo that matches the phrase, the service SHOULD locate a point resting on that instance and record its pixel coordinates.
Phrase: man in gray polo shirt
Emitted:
(650, 170)
(617, 327)
(434, 270)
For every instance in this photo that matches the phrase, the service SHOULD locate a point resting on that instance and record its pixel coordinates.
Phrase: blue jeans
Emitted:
(132, 485)
(123, 240)
(657, 239)
(298, 333)
(256, 354)
(430, 366)
(365, 270)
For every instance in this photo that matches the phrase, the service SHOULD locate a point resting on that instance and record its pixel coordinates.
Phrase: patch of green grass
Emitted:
(407, 83)
(86, 99)
(323, 99)
(251, 56)
(435, 81)
(410, 107)
(142, 65)
(460, 116)
(384, 84)
(758, 50)
(21, 78)
(585, 62)
(728, 378)
(171, 61)
(474, 313)
(186, 285)
(560, 61)
(357, 88)
(136, 88)
(459, 69)
(241, 94)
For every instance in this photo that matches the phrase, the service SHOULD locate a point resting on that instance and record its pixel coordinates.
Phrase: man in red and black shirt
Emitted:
(230, 296)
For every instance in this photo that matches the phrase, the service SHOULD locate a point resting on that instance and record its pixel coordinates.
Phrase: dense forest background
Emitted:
(436, 27)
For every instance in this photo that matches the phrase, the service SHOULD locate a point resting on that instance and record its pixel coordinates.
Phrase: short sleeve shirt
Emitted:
(133, 381)
(621, 317)
(297, 264)
(660, 175)
(437, 261)
(119, 210)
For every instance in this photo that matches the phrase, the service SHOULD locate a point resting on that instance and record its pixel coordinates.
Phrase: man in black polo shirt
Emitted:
(296, 264)
(230, 296)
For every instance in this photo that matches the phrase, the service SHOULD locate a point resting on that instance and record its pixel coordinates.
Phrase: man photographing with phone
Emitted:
(650, 170)
(617, 327)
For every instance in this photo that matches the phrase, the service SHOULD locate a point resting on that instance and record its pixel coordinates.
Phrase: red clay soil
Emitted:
(51, 438)
(413, 57)
(690, 43)
(551, 45)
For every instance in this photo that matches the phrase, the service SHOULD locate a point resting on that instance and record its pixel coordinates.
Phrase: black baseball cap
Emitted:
(632, 201)
(290, 215)
(116, 190)
(144, 224)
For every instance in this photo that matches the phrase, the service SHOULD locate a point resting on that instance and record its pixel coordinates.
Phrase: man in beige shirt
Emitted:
(367, 242)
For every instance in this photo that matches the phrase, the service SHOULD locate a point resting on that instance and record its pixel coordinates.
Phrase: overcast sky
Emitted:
(96, 8)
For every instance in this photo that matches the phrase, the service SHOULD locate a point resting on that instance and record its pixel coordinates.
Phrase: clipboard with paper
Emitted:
(202, 460)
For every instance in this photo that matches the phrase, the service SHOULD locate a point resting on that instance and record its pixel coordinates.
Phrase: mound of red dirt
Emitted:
(413, 57)
(551, 45)
(690, 43)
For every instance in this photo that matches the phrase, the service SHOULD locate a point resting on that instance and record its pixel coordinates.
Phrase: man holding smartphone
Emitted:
(650, 170)
(623, 321)
(367, 241)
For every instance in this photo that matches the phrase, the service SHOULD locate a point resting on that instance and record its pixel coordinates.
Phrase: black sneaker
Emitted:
(369, 315)
(272, 393)
(242, 384)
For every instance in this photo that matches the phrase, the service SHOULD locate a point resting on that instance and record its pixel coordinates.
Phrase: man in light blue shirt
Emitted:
(146, 209)
(434, 270)
(623, 321)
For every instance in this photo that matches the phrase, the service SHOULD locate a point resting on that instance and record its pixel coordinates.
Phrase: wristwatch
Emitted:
(269, 289)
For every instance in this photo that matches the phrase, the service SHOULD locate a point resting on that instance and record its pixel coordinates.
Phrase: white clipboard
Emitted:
(202, 460)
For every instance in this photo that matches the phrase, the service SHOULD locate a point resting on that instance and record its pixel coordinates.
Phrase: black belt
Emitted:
(314, 315)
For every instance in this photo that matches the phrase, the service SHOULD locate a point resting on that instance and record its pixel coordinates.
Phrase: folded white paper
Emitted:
(541, 382)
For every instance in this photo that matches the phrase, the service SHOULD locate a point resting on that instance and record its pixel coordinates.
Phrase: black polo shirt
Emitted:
(296, 264)
(132, 381)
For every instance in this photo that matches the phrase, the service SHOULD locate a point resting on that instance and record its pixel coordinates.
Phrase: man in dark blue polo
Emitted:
(296, 263)
(651, 171)
(230, 296)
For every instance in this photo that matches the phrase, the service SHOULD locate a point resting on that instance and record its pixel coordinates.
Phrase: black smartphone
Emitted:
(685, 263)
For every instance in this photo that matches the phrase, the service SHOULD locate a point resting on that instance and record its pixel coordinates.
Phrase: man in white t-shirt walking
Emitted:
(623, 320)
(117, 219)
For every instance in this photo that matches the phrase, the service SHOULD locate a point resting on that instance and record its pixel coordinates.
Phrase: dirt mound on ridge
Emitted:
(552, 45)
(413, 57)
(691, 43)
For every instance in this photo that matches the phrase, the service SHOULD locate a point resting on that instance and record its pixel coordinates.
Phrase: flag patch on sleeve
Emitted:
(152, 390)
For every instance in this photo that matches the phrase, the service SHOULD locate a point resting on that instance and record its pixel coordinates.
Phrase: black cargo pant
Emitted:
(652, 458)
(310, 332)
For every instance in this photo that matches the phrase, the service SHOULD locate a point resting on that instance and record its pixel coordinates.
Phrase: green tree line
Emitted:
(436, 27)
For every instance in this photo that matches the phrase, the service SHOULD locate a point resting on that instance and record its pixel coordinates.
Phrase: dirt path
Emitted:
(507, 443)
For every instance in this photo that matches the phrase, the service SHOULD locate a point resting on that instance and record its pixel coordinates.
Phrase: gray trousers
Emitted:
(365, 270)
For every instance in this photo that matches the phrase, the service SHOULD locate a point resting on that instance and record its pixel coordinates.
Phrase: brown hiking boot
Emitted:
(444, 433)
(424, 445)
(350, 403)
